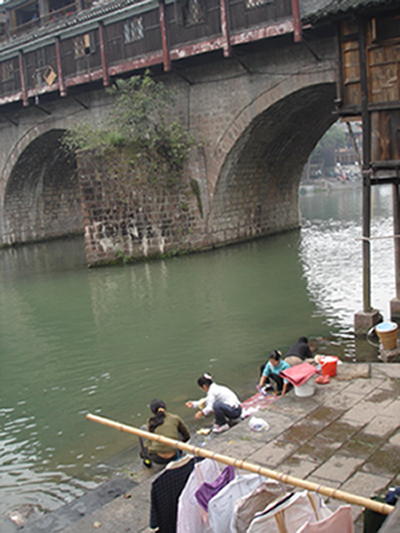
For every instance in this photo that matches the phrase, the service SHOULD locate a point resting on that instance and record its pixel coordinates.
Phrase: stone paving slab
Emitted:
(381, 425)
(395, 439)
(349, 371)
(346, 436)
(338, 468)
(363, 412)
(386, 370)
(367, 485)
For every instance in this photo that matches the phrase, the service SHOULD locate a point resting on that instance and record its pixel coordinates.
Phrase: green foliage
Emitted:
(196, 191)
(140, 123)
(334, 139)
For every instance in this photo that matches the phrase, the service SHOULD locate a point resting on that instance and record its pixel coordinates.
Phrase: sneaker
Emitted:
(147, 463)
(234, 421)
(220, 429)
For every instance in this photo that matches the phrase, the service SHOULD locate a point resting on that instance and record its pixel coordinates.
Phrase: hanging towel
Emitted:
(291, 514)
(299, 374)
(191, 517)
(247, 506)
(208, 490)
(339, 522)
(220, 508)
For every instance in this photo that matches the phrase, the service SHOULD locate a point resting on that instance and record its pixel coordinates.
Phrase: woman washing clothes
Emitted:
(270, 374)
(167, 425)
(220, 400)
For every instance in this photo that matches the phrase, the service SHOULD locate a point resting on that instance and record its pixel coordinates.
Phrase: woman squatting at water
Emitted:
(220, 400)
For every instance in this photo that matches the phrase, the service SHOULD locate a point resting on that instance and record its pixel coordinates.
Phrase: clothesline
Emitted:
(250, 467)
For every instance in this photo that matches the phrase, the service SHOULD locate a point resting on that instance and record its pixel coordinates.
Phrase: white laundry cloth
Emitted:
(291, 514)
(339, 522)
(220, 508)
(258, 499)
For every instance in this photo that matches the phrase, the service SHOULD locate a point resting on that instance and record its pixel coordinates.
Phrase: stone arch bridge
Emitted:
(259, 113)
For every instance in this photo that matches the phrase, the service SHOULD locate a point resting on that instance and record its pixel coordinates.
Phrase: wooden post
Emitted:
(61, 81)
(164, 37)
(225, 28)
(43, 11)
(103, 55)
(366, 126)
(396, 231)
(249, 467)
(296, 21)
(21, 62)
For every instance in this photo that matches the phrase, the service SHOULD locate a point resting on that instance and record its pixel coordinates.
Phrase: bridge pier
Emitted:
(365, 320)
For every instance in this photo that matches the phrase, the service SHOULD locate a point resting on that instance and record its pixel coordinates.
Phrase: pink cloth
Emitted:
(256, 402)
(339, 522)
(299, 374)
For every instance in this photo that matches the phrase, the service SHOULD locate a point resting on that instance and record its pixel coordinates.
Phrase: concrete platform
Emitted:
(346, 436)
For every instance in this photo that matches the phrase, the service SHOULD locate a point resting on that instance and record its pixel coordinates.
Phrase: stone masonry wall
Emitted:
(124, 219)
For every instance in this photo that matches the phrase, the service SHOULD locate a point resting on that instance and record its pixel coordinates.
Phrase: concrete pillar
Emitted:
(365, 320)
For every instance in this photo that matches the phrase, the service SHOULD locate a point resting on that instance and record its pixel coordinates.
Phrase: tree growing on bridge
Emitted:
(141, 129)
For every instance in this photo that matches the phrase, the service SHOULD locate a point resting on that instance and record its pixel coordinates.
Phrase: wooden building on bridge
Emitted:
(47, 46)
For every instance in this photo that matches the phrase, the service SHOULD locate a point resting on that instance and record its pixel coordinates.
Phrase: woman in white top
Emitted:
(220, 400)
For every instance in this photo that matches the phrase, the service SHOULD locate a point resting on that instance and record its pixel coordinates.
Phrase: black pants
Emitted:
(144, 454)
(275, 379)
(277, 383)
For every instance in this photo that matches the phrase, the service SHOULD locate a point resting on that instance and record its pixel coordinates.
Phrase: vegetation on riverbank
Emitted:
(140, 130)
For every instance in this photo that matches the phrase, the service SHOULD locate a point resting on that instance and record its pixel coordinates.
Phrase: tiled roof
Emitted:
(313, 11)
(53, 28)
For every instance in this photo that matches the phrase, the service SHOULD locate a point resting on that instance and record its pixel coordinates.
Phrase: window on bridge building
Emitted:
(7, 71)
(250, 4)
(385, 28)
(84, 45)
(192, 12)
(133, 30)
(25, 14)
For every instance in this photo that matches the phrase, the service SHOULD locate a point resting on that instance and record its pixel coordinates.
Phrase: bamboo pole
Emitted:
(250, 467)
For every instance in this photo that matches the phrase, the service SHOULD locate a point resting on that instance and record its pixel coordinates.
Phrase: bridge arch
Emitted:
(41, 195)
(261, 157)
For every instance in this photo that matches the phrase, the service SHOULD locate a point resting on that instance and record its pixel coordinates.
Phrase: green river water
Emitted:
(109, 340)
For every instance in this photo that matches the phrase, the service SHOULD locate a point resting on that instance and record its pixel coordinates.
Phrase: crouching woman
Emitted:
(220, 400)
(167, 425)
(271, 377)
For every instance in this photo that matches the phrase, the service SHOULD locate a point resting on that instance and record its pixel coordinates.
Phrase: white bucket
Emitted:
(307, 389)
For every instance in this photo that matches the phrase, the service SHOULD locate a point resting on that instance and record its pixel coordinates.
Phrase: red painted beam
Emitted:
(136, 64)
(272, 30)
(197, 48)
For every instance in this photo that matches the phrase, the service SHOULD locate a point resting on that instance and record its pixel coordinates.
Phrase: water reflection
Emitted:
(331, 252)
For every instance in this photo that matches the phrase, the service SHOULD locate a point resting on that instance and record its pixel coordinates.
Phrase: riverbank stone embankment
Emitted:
(346, 436)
